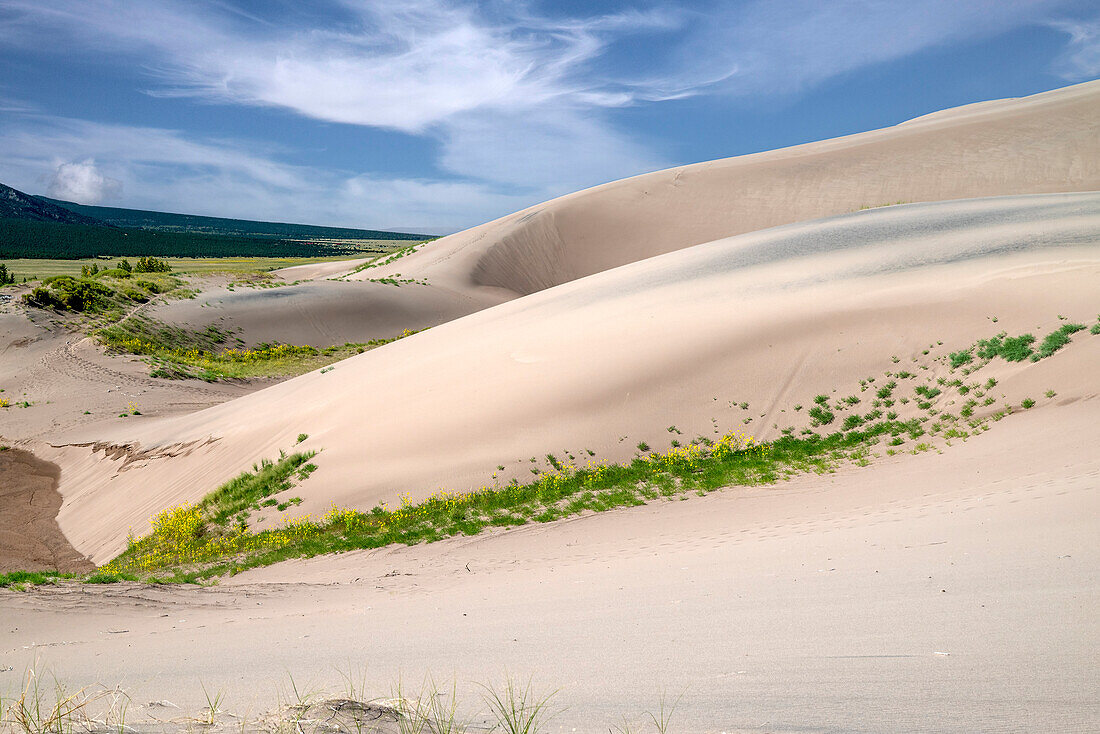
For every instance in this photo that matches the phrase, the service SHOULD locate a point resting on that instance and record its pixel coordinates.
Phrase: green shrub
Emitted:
(149, 285)
(821, 416)
(151, 265)
(958, 359)
(1009, 348)
(1056, 340)
(69, 294)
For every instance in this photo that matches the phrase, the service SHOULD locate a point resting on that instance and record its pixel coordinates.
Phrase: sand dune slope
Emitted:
(769, 319)
(323, 312)
(1048, 142)
(933, 593)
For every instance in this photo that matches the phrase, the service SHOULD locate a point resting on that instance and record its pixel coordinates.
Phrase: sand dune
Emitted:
(769, 318)
(323, 312)
(685, 303)
(933, 593)
(1045, 143)
(1048, 142)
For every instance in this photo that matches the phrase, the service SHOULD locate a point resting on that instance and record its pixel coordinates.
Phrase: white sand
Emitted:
(951, 592)
(771, 318)
(1048, 142)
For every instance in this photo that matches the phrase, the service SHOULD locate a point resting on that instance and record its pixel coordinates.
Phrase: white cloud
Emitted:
(83, 183)
(503, 93)
(517, 102)
(400, 64)
(166, 170)
(1081, 58)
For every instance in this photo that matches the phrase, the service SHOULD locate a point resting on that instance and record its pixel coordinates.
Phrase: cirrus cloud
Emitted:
(516, 101)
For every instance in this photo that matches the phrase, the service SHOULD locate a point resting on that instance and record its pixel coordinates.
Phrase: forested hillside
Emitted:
(169, 222)
(22, 238)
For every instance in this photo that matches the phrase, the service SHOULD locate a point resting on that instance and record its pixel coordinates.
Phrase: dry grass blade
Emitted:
(212, 703)
(443, 710)
(518, 710)
(32, 713)
(414, 713)
(664, 714)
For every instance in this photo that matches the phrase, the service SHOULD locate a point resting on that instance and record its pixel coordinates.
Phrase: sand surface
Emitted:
(69, 382)
(1048, 142)
(1045, 143)
(30, 539)
(951, 592)
(322, 312)
(769, 319)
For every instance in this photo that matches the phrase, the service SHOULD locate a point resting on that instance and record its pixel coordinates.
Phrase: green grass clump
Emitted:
(821, 416)
(926, 391)
(1019, 348)
(961, 357)
(1056, 340)
(32, 578)
(246, 491)
(1009, 348)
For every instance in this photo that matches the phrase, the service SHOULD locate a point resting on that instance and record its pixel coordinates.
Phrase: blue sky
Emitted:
(435, 115)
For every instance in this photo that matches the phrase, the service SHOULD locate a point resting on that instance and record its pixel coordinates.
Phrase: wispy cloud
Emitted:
(778, 47)
(1081, 58)
(518, 103)
(401, 64)
(162, 169)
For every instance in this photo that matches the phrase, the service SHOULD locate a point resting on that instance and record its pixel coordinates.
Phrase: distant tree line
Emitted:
(166, 221)
(20, 238)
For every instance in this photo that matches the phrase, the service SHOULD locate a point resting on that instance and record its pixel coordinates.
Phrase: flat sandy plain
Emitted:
(950, 589)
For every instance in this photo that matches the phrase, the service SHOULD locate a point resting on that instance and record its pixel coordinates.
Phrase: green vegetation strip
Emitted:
(213, 538)
(178, 353)
(38, 268)
(109, 298)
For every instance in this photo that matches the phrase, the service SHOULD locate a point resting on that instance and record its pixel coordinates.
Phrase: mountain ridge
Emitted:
(15, 204)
